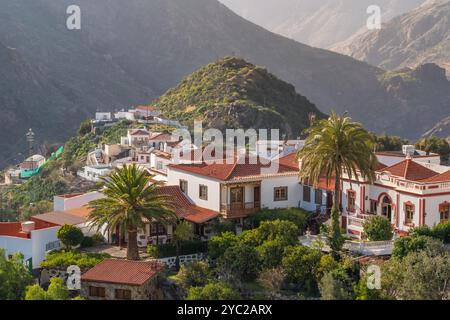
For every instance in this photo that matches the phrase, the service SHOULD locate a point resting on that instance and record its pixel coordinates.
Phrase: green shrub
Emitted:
(284, 231)
(194, 274)
(70, 236)
(297, 216)
(220, 243)
(406, 245)
(240, 262)
(378, 228)
(87, 242)
(213, 291)
(63, 259)
(442, 232)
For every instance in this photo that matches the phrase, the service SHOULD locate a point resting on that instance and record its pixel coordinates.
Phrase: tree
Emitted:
(435, 145)
(284, 231)
(194, 274)
(332, 288)
(220, 243)
(33, 209)
(422, 275)
(130, 198)
(183, 232)
(240, 263)
(406, 245)
(70, 236)
(335, 146)
(14, 276)
(272, 280)
(378, 228)
(85, 127)
(271, 253)
(300, 264)
(389, 143)
(213, 291)
(56, 291)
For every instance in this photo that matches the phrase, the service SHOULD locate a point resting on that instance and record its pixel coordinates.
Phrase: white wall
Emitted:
(13, 245)
(267, 192)
(63, 204)
(40, 238)
(194, 182)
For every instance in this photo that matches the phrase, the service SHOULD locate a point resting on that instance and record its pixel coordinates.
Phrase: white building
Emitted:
(237, 190)
(409, 193)
(103, 116)
(95, 173)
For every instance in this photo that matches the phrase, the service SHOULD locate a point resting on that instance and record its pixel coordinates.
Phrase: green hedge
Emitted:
(295, 215)
(169, 249)
(440, 231)
(63, 259)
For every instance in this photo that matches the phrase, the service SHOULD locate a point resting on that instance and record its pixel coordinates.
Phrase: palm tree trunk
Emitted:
(335, 238)
(132, 246)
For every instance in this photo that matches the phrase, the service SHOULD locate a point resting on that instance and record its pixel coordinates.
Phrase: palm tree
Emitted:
(335, 146)
(130, 199)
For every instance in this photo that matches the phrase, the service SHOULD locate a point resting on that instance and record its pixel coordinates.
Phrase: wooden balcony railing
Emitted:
(240, 210)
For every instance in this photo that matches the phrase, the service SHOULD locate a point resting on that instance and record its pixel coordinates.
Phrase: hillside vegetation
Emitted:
(232, 93)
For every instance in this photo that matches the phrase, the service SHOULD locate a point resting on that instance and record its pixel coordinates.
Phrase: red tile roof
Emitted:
(410, 170)
(185, 208)
(232, 171)
(82, 212)
(134, 273)
(290, 160)
(139, 132)
(58, 218)
(12, 229)
(443, 177)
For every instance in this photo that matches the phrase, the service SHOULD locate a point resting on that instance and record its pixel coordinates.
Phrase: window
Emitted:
(123, 294)
(184, 186)
(351, 201)
(157, 229)
(373, 206)
(97, 292)
(444, 211)
(409, 213)
(159, 165)
(306, 194)
(318, 196)
(203, 192)
(280, 194)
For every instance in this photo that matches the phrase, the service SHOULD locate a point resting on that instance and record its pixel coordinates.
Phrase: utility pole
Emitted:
(30, 140)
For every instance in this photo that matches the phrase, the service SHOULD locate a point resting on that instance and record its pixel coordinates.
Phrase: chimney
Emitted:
(28, 226)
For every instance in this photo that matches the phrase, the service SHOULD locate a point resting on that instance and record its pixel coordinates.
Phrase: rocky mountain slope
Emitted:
(441, 129)
(417, 37)
(232, 93)
(320, 23)
(130, 52)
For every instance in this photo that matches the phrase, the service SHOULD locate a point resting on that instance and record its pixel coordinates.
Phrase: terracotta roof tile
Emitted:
(59, 218)
(231, 171)
(134, 273)
(443, 177)
(82, 212)
(290, 160)
(410, 170)
(12, 229)
(185, 208)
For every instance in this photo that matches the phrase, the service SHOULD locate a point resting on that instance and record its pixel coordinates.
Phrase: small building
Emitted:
(103, 116)
(32, 162)
(115, 279)
(95, 173)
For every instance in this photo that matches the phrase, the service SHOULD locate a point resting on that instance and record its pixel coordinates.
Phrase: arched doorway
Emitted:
(386, 207)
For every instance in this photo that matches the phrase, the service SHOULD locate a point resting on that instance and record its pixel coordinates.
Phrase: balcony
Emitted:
(239, 210)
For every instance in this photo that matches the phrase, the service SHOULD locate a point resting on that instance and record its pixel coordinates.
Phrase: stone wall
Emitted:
(151, 290)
